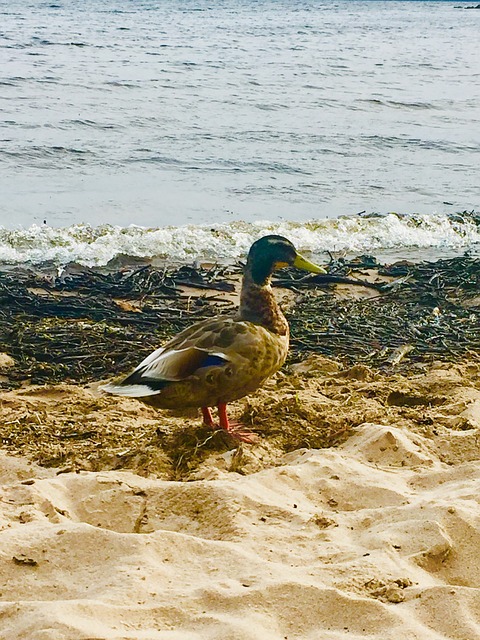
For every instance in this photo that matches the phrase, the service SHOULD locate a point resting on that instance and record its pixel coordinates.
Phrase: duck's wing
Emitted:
(162, 367)
(193, 349)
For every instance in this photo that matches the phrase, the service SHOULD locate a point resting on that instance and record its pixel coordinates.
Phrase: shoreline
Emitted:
(86, 324)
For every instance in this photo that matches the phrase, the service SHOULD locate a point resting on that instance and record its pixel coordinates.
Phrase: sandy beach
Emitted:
(356, 516)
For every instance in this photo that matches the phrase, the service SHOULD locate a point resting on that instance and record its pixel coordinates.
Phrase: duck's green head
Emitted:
(275, 252)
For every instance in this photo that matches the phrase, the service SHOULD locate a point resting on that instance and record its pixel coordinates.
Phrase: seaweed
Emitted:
(431, 312)
(85, 324)
(82, 324)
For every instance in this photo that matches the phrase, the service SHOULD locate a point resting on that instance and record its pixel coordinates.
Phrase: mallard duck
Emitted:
(225, 358)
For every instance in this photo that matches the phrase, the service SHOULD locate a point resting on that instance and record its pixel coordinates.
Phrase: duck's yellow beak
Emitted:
(306, 265)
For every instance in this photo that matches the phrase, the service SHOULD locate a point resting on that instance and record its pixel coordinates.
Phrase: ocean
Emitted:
(184, 130)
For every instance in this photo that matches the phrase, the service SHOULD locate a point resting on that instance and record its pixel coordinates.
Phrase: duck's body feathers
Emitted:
(214, 361)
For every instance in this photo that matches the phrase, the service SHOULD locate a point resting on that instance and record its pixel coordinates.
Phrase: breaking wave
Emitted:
(97, 246)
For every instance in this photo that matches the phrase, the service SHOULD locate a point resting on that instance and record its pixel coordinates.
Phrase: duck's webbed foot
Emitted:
(234, 429)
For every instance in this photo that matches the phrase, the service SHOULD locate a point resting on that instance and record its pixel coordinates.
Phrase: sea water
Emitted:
(174, 127)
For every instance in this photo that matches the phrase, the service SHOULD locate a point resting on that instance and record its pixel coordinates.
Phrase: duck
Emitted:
(222, 359)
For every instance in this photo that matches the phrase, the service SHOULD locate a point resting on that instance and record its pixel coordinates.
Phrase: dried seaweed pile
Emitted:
(88, 324)
(431, 311)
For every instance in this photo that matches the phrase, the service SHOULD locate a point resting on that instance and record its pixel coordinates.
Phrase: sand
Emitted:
(128, 529)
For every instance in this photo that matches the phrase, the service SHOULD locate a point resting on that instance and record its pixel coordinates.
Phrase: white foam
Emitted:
(96, 246)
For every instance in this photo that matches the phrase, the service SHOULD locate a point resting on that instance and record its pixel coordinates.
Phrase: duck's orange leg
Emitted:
(237, 431)
(208, 418)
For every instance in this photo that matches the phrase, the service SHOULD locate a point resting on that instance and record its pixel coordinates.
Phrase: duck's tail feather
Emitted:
(135, 388)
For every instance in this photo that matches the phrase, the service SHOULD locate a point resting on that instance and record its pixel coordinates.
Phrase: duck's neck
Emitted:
(258, 305)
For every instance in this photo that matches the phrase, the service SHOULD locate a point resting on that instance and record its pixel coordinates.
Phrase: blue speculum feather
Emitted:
(212, 361)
